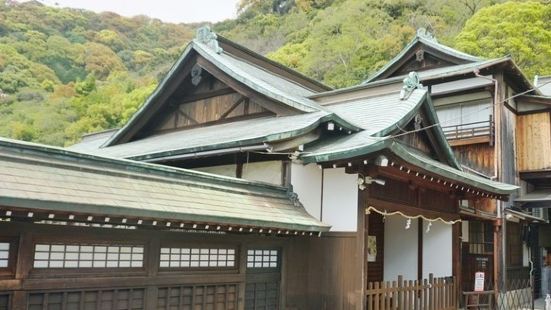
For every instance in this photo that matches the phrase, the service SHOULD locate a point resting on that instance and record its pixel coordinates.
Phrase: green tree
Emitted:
(519, 29)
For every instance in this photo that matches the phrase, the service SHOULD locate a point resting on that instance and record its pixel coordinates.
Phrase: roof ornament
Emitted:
(426, 34)
(411, 83)
(293, 197)
(209, 38)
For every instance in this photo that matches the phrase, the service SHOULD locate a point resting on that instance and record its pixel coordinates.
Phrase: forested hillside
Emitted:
(66, 72)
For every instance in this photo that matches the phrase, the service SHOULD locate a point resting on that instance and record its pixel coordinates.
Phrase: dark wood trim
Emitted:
(410, 210)
(233, 106)
(420, 249)
(207, 95)
(217, 122)
(153, 108)
(244, 90)
(187, 116)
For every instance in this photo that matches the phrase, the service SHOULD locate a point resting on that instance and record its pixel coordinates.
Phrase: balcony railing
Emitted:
(476, 132)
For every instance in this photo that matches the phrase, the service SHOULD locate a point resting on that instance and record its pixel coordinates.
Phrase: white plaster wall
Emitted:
(437, 250)
(265, 171)
(306, 181)
(227, 170)
(340, 200)
(465, 231)
(400, 249)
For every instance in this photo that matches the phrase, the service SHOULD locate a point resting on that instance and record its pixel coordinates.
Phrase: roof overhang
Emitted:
(453, 177)
(539, 198)
(516, 216)
(41, 183)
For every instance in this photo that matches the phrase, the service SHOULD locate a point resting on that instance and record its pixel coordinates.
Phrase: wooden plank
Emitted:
(206, 95)
(533, 141)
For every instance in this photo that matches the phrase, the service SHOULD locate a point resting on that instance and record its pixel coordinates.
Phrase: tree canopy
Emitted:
(66, 72)
(519, 29)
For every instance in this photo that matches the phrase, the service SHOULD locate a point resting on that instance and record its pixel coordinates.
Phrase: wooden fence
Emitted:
(428, 294)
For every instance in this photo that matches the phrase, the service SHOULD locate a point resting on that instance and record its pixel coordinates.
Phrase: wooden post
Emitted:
(361, 252)
(420, 249)
(457, 257)
(22, 269)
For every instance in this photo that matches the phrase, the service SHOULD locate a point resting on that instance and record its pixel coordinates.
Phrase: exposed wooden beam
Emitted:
(188, 117)
(233, 107)
(262, 100)
(206, 95)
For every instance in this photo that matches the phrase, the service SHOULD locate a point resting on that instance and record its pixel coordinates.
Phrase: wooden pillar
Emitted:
(420, 249)
(22, 269)
(361, 252)
(457, 257)
(498, 267)
(242, 271)
(152, 265)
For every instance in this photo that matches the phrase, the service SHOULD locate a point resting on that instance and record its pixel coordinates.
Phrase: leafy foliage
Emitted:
(66, 72)
(519, 29)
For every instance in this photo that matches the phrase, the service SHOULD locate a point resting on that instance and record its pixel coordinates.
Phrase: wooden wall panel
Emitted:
(533, 137)
(479, 157)
(322, 273)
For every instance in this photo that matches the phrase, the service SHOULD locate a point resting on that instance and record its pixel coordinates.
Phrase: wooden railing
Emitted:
(429, 294)
(470, 130)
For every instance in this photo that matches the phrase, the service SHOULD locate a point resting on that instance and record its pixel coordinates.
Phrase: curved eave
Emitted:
(118, 211)
(280, 136)
(427, 164)
(258, 86)
(453, 174)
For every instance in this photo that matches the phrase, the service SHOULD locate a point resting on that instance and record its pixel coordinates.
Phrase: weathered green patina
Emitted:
(423, 37)
(45, 178)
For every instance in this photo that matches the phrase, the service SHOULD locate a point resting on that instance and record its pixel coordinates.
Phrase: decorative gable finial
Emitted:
(209, 38)
(411, 83)
(426, 34)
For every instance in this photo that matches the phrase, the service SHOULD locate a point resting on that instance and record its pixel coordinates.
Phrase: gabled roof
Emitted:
(426, 41)
(380, 117)
(361, 144)
(278, 88)
(49, 179)
(237, 134)
(446, 74)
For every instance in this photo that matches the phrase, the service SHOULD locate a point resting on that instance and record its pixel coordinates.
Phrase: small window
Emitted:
(262, 259)
(87, 256)
(4, 254)
(197, 258)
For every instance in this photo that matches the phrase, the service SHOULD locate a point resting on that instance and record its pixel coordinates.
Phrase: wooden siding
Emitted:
(323, 273)
(479, 157)
(148, 287)
(533, 137)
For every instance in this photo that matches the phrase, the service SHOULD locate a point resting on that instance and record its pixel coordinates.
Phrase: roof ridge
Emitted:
(37, 149)
(261, 57)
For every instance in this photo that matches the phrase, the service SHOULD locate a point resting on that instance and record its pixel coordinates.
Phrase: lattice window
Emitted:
(196, 258)
(4, 254)
(262, 258)
(87, 256)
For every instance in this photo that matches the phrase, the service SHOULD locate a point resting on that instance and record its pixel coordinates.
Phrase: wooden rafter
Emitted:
(207, 95)
(233, 107)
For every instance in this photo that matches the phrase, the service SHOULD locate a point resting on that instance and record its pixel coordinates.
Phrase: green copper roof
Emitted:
(361, 144)
(52, 179)
(422, 37)
(271, 85)
(223, 136)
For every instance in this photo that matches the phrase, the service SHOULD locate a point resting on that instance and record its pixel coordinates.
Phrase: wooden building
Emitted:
(87, 232)
(371, 161)
(497, 123)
